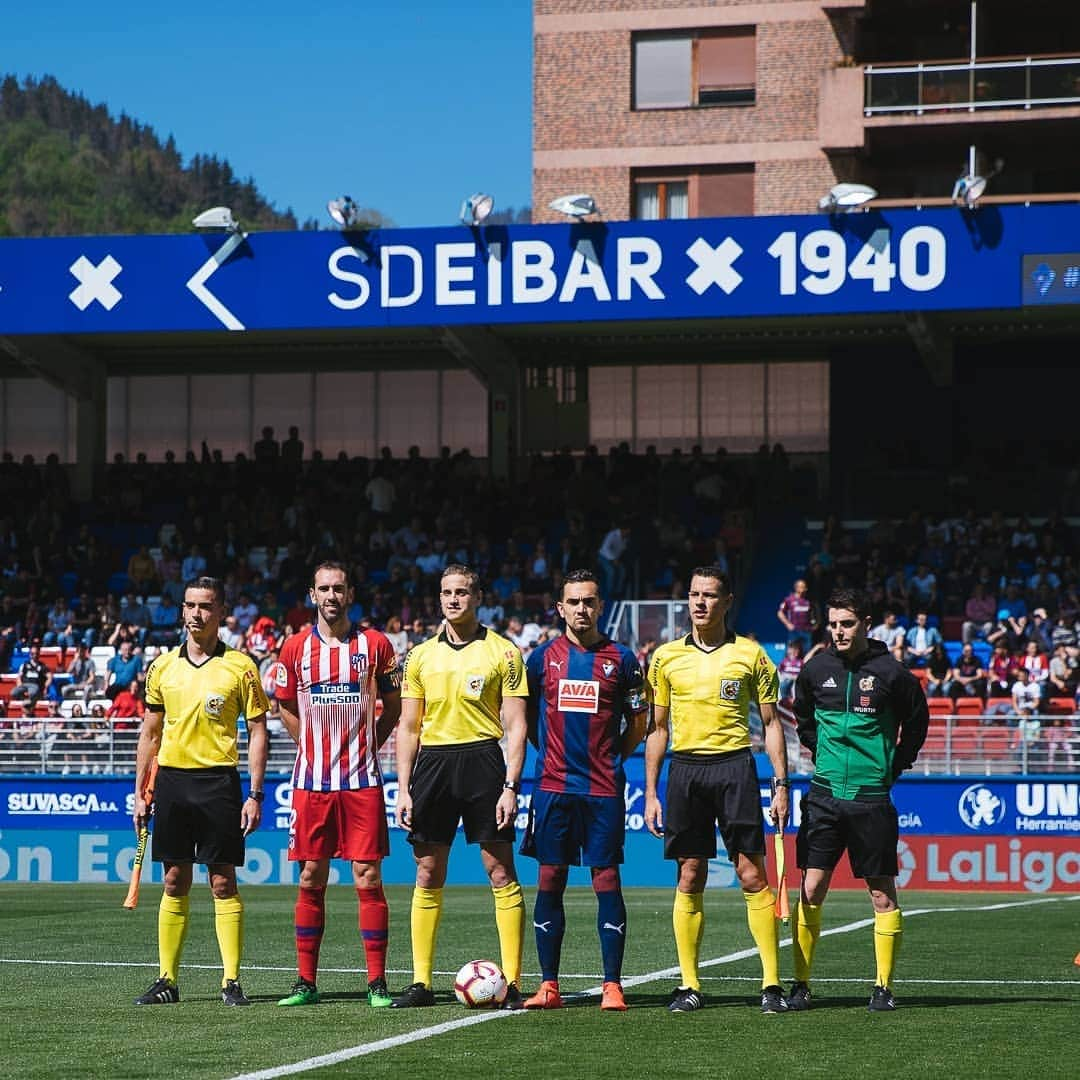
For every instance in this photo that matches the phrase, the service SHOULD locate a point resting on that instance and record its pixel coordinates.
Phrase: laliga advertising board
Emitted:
(956, 833)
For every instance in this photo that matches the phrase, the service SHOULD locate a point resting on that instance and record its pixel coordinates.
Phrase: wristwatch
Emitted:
(512, 785)
(781, 781)
(258, 796)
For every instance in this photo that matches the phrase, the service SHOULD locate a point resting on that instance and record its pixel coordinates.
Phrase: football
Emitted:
(480, 984)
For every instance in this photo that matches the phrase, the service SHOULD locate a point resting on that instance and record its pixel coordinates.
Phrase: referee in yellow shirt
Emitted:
(451, 769)
(702, 688)
(195, 696)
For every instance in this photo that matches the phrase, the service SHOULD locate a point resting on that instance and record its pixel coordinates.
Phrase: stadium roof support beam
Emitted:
(81, 376)
(934, 346)
(497, 367)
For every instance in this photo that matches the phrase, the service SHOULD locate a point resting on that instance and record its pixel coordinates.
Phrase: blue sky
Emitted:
(407, 106)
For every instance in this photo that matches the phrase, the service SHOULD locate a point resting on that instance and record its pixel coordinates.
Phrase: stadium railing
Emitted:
(634, 622)
(956, 744)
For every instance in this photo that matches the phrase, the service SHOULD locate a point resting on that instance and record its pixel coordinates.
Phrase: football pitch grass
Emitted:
(986, 986)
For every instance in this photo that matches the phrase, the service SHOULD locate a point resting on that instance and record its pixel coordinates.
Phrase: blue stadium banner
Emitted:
(881, 261)
(956, 832)
(1052, 279)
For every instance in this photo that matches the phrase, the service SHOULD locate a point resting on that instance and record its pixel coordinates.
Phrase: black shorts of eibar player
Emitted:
(706, 790)
(867, 828)
(197, 816)
(461, 782)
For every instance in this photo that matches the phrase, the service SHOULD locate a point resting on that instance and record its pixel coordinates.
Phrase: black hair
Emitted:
(211, 584)
(577, 577)
(716, 574)
(853, 600)
(331, 564)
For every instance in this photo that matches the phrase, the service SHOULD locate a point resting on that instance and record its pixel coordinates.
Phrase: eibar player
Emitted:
(863, 717)
(451, 769)
(195, 696)
(326, 681)
(702, 687)
(587, 713)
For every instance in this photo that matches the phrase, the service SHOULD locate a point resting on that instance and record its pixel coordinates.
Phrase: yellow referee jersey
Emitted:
(202, 704)
(462, 686)
(709, 691)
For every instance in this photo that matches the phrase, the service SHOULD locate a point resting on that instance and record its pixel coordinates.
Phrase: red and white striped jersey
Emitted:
(335, 687)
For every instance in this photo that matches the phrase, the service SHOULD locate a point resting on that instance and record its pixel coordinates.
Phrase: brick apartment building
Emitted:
(664, 108)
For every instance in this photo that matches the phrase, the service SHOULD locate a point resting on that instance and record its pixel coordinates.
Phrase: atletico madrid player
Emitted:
(326, 683)
(587, 712)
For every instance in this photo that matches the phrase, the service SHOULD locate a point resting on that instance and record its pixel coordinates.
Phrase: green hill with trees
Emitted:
(70, 168)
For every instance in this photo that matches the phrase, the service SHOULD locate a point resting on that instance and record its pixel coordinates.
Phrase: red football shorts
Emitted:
(339, 825)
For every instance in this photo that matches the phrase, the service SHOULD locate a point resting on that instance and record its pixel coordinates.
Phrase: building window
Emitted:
(697, 68)
(738, 406)
(716, 191)
(658, 200)
(563, 381)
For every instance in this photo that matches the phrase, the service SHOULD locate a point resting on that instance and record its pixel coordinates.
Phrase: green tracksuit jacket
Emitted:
(863, 723)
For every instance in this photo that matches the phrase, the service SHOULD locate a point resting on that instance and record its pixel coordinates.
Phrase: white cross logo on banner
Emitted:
(95, 283)
(714, 265)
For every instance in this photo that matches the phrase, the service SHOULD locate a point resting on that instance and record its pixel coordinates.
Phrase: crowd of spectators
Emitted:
(113, 570)
(978, 608)
(102, 581)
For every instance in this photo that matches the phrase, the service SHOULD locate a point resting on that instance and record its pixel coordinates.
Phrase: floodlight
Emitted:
(846, 197)
(575, 206)
(971, 186)
(217, 217)
(344, 211)
(476, 208)
(968, 189)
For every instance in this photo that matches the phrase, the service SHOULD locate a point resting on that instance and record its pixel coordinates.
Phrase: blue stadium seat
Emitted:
(118, 583)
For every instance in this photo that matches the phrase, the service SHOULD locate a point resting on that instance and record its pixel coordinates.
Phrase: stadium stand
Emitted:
(262, 537)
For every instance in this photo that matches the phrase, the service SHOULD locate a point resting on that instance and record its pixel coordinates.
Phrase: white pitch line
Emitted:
(338, 1056)
(348, 1053)
(637, 980)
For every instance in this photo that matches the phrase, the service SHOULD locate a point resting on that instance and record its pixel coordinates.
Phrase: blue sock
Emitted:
(611, 925)
(549, 919)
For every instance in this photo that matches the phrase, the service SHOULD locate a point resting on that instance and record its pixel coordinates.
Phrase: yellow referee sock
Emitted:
(510, 921)
(688, 919)
(888, 933)
(229, 924)
(805, 939)
(172, 924)
(761, 918)
(426, 913)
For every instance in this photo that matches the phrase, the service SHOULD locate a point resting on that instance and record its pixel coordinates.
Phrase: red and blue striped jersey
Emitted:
(335, 687)
(580, 697)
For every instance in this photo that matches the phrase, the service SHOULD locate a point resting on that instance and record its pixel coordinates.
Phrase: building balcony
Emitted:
(1017, 82)
(858, 104)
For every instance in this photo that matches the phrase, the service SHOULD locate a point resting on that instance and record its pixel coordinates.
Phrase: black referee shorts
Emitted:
(462, 782)
(704, 790)
(868, 830)
(197, 816)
